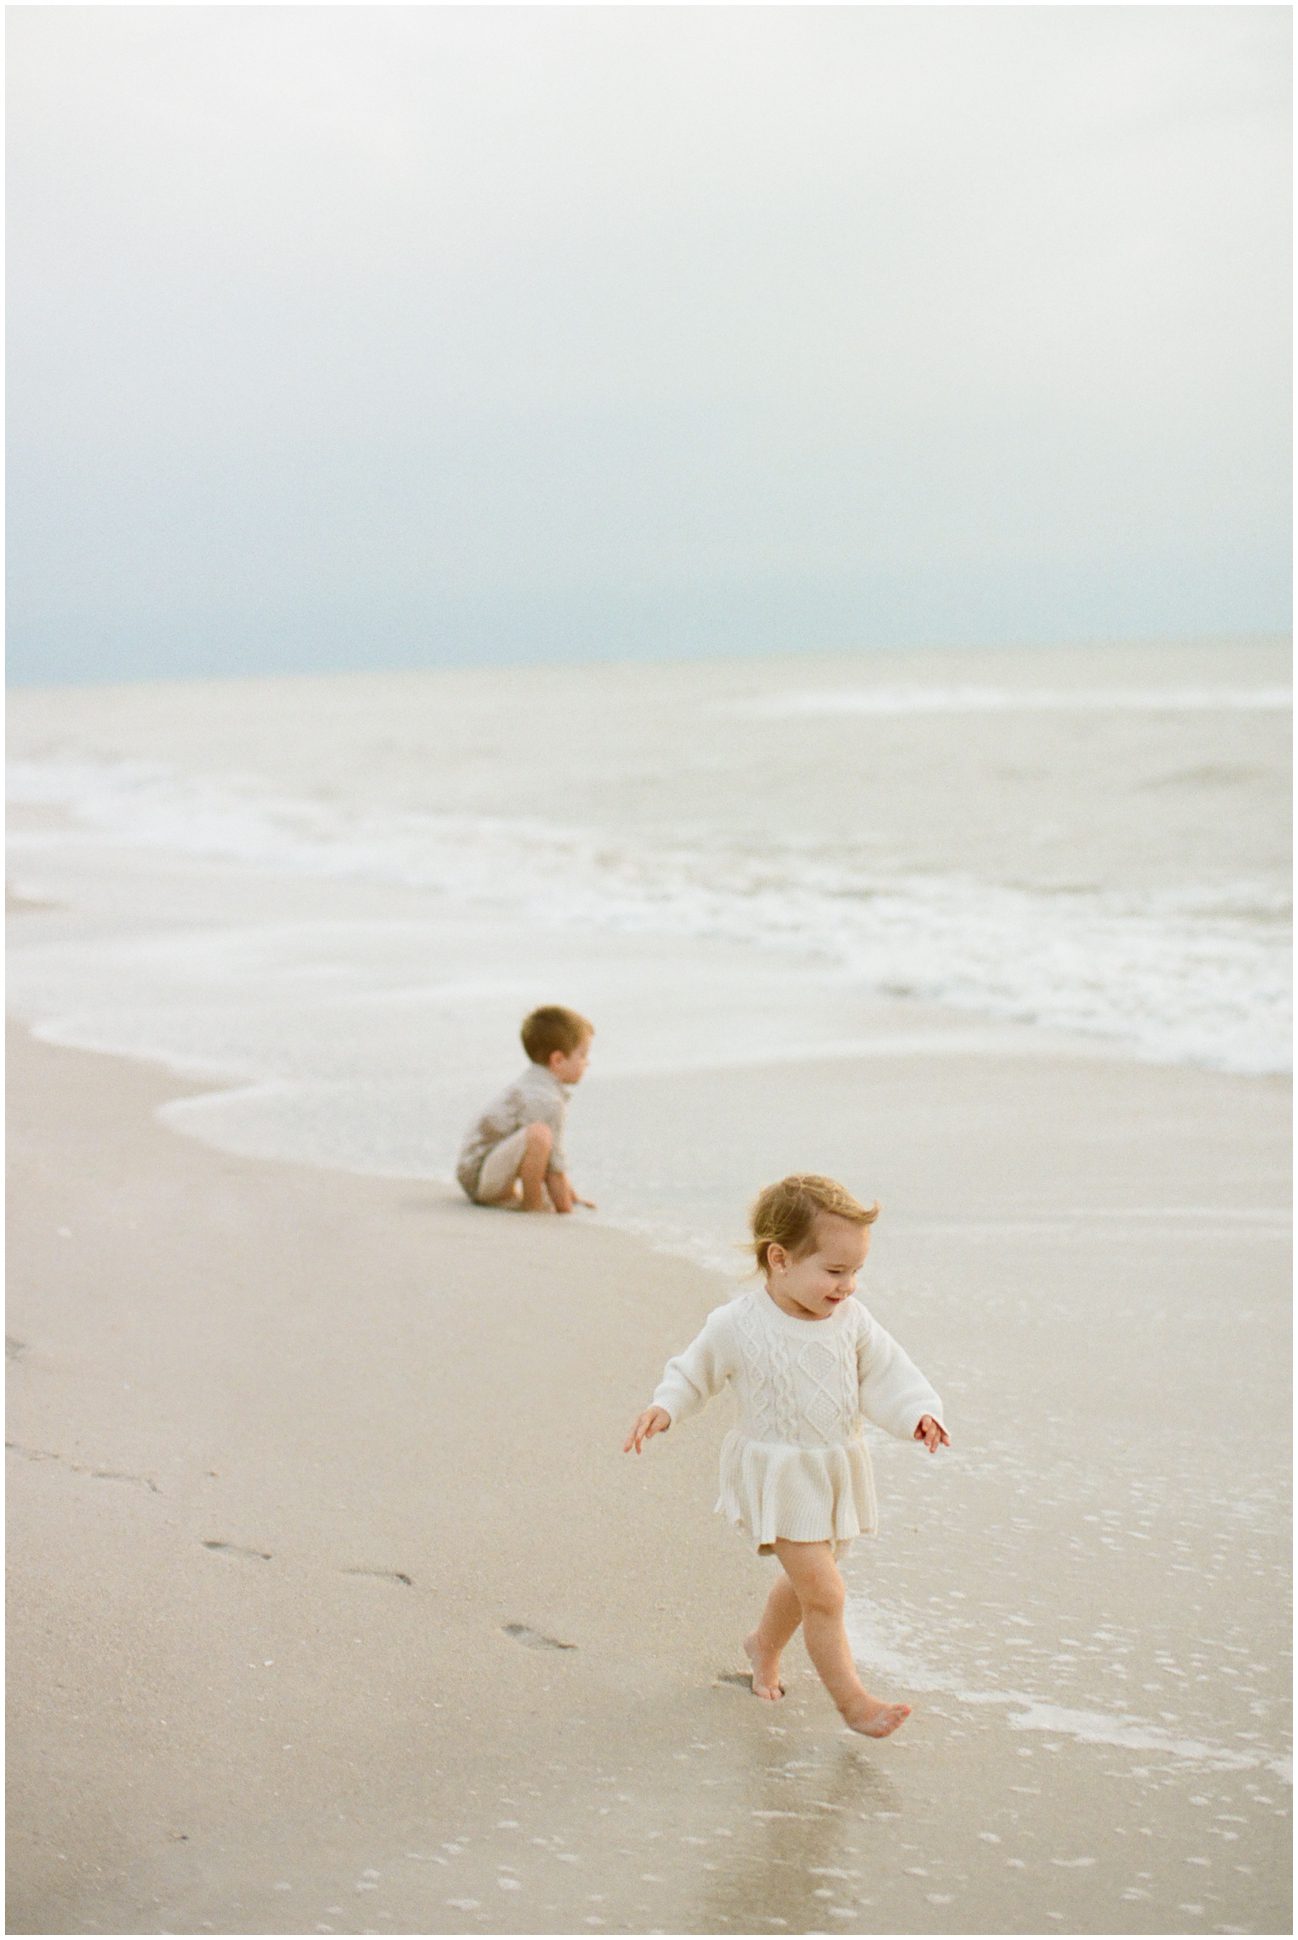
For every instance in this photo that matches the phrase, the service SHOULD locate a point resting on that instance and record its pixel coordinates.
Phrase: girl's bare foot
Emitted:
(766, 1669)
(873, 1718)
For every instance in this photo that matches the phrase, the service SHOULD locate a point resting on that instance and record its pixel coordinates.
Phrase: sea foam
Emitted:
(1197, 976)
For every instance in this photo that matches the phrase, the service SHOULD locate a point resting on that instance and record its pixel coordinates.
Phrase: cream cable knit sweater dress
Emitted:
(796, 1465)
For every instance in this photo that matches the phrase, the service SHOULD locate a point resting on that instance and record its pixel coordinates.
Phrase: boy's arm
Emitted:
(893, 1391)
(563, 1195)
(554, 1111)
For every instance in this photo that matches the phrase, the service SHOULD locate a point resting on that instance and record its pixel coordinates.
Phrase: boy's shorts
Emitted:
(500, 1169)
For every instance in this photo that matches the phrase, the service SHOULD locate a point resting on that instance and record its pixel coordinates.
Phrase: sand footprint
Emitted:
(236, 1549)
(124, 1475)
(533, 1639)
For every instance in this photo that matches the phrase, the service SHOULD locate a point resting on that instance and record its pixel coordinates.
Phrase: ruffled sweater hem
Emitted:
(770, 1490)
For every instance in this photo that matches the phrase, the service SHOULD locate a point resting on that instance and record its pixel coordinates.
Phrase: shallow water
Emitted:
(1093, 841)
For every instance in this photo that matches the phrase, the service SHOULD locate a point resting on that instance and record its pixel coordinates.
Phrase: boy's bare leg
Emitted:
(814, 1575)
(561, 1193)
(535, 1165)
(779, 1620)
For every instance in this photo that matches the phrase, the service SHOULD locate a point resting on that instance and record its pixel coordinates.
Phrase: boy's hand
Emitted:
(654, 1421)
(563, 1197)
(932, 1434)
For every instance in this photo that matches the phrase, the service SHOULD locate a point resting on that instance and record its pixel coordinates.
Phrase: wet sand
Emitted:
(334, 1606)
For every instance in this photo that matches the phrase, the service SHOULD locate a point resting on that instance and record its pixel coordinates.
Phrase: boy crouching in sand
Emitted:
(513, 1155)
(809, 1364)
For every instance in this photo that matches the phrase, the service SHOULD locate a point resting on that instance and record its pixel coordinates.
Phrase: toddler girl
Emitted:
(808, 1363)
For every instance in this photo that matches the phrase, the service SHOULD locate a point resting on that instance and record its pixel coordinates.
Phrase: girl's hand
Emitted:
(654, 1421)
(589, 1204)
(932, 1434)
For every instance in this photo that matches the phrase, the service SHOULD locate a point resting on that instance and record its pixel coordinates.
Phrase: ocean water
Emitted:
(1092, 842)
(336, 897)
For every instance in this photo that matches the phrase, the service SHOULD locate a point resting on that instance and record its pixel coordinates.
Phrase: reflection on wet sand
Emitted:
(813, 1826)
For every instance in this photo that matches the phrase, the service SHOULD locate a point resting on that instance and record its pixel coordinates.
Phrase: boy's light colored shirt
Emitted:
(535, 1097)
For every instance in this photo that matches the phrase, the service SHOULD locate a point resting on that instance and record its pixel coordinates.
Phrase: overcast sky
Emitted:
(407, 336)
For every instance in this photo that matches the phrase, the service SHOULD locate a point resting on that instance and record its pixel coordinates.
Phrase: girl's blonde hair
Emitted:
(785, 1214)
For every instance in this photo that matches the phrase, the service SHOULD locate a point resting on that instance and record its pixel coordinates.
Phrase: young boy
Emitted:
(514, 1153)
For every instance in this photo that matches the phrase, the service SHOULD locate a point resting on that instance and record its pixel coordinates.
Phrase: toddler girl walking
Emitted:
(809, 1365)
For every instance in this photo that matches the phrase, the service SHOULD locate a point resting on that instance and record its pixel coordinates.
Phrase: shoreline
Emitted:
(268, 1539)
(934, 1106)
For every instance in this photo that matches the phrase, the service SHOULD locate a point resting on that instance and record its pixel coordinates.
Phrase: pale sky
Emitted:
(397, 337)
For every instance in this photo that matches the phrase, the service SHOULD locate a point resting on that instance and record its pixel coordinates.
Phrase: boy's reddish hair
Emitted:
(551, 1029)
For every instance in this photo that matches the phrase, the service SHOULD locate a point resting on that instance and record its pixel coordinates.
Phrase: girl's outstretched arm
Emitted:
(692, 1378)
(893, 1391)
(689, 1381)
(654, 1421)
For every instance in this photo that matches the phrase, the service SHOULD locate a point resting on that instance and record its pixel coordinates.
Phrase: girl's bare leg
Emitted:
(814, 1575)
(779, 1620)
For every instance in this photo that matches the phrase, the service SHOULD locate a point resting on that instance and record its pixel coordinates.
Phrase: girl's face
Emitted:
(814, 1284)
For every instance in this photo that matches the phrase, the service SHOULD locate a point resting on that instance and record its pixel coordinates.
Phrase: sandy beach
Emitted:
(333, 1605)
